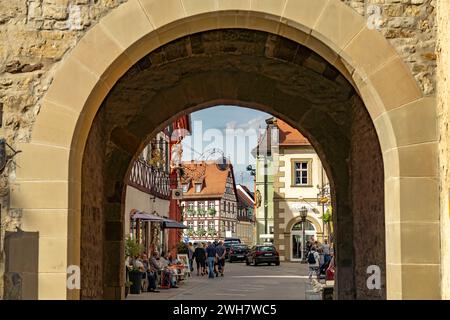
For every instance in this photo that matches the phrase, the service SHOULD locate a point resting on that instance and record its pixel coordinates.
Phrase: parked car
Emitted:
(232, 240)
(228, 242)
(263, 254)
(238, 252)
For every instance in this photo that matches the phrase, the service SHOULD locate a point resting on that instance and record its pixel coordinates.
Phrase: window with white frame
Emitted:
(190, 205)
(211, 225)
(190, 225)
(201, 225)
(185, 187)
(198, 187)
(301, 172)
(211, 205)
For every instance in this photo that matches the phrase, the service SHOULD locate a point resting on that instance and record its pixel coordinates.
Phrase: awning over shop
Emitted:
(166, 223)
(171, 224)
(146, 216)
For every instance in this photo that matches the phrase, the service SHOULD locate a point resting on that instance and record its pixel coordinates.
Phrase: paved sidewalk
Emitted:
(284, 282)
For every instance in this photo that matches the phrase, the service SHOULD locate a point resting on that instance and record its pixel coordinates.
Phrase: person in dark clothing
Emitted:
(211, 256)
(200, 258)
(191, 251)
(220, 255)
(151, 275)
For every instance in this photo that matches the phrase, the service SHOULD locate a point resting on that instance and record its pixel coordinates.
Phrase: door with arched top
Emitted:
(297, 244)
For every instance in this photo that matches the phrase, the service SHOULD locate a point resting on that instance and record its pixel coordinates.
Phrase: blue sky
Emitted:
(233, 130)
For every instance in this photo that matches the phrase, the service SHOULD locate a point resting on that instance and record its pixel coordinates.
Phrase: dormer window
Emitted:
(198, 187)
(185, 187)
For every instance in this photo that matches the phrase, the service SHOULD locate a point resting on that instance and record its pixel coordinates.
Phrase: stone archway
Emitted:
(404, 123)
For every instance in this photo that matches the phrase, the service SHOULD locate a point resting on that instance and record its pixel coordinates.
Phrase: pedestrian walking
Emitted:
(211, 254)
(200, 258)
(313, 262)
(326, 251)
(191, 256)
(220, 254)
(309, 244)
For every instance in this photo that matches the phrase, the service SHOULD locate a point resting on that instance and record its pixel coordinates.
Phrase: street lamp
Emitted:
(251, 170)
(303, 215)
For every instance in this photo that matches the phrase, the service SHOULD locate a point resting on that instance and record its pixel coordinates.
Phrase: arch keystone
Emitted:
(303, 14)
(161, 13)
(269, 6)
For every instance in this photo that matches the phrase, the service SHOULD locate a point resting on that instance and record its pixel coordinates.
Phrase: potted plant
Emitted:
(133, 250)
(212, 212)
(201, 232)
(211, 232)
(201, 212)
(182, 248)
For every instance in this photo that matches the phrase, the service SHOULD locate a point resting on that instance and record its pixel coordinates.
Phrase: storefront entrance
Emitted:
(297, 239)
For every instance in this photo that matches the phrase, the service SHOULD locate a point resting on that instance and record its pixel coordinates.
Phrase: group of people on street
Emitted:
(320, 258)
(209, 258)
(156, 270)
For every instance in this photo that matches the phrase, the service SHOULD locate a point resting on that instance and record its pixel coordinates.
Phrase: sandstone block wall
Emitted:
(443, 101)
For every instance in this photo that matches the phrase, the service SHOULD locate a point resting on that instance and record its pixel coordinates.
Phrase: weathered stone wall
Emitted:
(409, 25)
(92, 214)
(34, 37)
(443, 101)
(367, 185)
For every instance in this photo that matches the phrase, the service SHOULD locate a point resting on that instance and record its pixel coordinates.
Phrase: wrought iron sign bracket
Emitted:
(4, 158)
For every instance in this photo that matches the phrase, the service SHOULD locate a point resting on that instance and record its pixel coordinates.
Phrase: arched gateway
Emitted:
(313, 63)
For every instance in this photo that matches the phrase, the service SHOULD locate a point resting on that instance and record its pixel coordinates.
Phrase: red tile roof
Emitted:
(290, 136)
(214, 180)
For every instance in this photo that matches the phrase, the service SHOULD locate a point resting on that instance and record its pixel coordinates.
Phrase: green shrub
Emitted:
(182, 248)
(133, 248)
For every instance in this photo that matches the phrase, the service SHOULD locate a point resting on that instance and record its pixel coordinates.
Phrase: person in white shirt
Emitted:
(169, 273)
